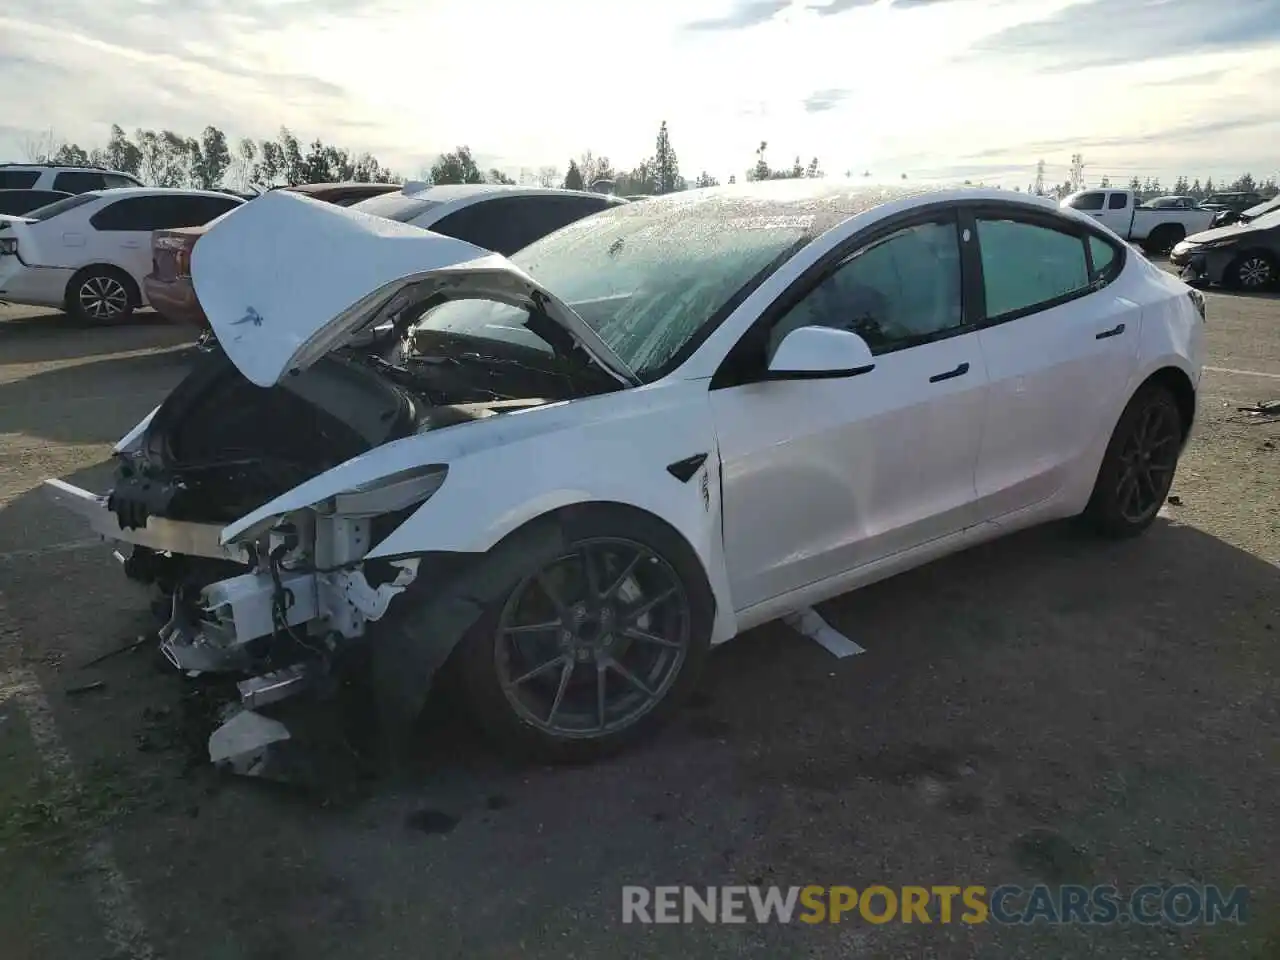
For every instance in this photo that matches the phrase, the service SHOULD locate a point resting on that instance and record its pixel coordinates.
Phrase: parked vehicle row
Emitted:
(496, 217)
(570, 472)
(89, 253)
(1155, 227)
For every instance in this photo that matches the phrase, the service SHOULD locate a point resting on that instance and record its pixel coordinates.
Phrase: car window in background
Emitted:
(395, 206)
(1025, 265)
(507, 224)
(18, 179)
(78, 181)
(1117, 201)
(61, 206)
(116, 180)
(1263, 208)
(20, 202)
(1088, 201)
(904, 289)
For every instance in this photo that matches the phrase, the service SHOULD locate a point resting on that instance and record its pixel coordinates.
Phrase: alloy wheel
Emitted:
(1254, 272)
(593, 641)
(103, 297)
(1148, 459)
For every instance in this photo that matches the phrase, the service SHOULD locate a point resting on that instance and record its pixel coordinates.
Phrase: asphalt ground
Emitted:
(1047, 708)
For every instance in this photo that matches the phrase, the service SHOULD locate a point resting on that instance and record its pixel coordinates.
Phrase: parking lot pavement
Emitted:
(1046, 708)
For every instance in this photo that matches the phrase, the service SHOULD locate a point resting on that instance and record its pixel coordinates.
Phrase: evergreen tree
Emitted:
(664, 168)
(573, 179)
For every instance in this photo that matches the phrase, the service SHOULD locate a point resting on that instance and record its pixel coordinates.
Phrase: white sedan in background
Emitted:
(575, 471)
(90, 253)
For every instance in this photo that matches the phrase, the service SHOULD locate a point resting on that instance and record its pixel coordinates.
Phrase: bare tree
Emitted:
(549, 176)
(42, 147)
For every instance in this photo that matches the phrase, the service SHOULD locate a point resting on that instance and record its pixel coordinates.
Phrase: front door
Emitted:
(823, 475)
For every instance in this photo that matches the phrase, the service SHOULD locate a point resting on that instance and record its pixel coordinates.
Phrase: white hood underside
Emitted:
(285, 279)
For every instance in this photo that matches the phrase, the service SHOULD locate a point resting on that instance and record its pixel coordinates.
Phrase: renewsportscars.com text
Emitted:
(1180, 904)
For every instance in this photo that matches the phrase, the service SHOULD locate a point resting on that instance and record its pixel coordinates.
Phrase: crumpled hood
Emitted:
(286, 279)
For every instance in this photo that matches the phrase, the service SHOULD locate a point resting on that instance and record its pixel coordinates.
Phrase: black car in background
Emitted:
(1245, 254)
(17, 203)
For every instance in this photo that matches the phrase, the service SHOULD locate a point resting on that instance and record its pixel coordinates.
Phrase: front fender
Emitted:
(507, 470)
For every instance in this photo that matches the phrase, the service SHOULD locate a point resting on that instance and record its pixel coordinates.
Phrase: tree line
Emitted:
(165, 158)
(168, 159)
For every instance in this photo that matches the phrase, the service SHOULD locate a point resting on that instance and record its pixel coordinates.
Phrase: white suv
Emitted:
(88, 254)
(64, 177)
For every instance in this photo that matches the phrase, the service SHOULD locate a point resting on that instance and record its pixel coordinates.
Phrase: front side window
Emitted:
(1026, 265)
(646, 278)
(902, 290)
(1088, 201)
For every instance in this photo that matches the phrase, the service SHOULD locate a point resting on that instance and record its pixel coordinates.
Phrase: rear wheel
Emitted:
(1252, 271)
(1138, 467)
(101, 295)
(1164, 237)
(592, 644)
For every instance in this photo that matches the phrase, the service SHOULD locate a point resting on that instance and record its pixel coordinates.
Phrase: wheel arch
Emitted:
(1179, 384)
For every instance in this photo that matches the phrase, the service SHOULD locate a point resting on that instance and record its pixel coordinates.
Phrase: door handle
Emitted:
(1113, 332)
(959, 371)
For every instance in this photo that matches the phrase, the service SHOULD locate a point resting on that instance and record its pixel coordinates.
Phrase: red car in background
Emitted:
(168, 286)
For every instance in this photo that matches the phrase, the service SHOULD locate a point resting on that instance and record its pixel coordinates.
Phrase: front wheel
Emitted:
(594, 642)
(1137, 469)
(1253, 271)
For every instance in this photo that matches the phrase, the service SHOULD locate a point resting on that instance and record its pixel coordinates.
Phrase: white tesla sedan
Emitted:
(571, 473)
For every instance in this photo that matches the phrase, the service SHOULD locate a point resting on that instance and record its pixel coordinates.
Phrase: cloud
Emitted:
(832, 7)
(1098, 33)
(745, 13)
(822, 100)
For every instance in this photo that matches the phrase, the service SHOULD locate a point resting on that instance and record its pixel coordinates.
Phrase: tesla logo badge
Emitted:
(250, 316)
(705, 486)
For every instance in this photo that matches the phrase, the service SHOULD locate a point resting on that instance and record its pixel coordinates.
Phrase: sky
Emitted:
(936, 89)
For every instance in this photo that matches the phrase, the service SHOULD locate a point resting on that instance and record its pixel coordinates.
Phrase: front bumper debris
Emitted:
(251, 623)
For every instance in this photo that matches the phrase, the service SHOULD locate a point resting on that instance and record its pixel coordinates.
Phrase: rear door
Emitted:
(1059, 347)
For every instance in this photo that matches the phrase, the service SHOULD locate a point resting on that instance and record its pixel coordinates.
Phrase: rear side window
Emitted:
(78, 181)
(18, 179)
(1028, 266)
(119, 180)
(62, 206)
(1088, 201)
(1117, 201)
(1103, 257)
(507, 224)
(160, 212)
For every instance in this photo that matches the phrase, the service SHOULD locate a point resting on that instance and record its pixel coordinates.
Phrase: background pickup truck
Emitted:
(1156, 229)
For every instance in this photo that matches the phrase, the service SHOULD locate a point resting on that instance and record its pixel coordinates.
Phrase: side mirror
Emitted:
(810, 353)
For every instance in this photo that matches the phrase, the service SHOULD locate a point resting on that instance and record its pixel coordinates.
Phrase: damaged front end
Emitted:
(299, 598)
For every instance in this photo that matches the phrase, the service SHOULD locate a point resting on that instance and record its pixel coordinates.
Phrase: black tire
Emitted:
(1164, 238)
(1151, 424)
(479, 664)
(101, 294)
(1254, 270)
